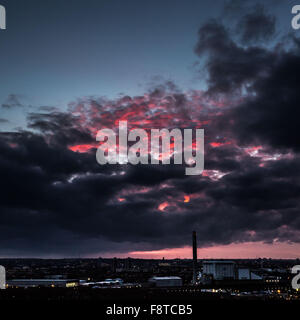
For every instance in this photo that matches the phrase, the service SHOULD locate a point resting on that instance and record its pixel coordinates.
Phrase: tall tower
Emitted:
(194, 257)
(114, 265)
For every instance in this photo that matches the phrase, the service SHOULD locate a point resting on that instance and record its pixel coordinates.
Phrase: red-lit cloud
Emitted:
(186, 198)
(162, 206)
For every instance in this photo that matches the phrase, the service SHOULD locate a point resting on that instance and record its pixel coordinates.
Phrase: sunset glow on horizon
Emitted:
(251, 250)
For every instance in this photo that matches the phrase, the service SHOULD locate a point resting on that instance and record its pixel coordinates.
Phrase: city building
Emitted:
(30, 283)
(247, 274)
(166, 281)
(219, 270)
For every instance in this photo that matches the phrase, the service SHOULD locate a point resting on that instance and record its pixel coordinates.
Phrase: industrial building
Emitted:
(166, 281)
(30, 283)
(247, 274)
(219, 270)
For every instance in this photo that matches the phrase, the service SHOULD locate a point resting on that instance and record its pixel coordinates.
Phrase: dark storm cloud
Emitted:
(269, 112)
(230, 66)
(62, 128)
(256, 26)
(272, 115)
(53, 200)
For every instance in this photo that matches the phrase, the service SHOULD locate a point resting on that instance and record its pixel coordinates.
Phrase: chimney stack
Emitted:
(194, 257)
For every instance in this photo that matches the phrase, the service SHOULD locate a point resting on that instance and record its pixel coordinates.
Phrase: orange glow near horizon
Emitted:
(252, 250)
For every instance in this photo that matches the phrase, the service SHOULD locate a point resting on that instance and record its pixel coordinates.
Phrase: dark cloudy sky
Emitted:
(70, 68)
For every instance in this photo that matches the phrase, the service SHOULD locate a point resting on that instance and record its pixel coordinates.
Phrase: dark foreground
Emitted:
(132, 294)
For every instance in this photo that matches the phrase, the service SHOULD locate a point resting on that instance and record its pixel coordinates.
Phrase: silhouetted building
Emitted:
(29, 283)
(166, 281)
(114, 265)
(127, 264)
